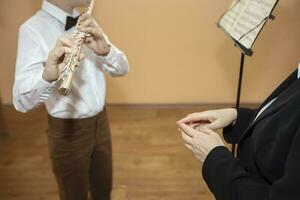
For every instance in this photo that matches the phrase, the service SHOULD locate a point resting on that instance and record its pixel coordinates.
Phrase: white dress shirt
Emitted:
(273, 100)
(37, 37)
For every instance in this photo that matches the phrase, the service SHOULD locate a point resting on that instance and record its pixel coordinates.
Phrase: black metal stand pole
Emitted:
(239, 91)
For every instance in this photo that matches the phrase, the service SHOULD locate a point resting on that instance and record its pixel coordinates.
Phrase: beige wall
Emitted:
(176, 52)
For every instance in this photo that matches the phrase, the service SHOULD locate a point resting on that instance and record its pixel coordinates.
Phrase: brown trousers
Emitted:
(80, 151)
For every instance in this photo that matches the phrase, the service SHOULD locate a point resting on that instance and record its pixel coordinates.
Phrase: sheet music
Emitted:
(245, 19)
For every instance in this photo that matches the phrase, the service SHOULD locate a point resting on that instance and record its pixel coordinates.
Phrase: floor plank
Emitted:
(150, 161)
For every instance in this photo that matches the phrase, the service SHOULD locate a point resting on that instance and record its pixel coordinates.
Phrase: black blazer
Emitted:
(267, 166)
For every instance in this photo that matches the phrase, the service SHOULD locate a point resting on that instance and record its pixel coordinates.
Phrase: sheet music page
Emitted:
(245, 19)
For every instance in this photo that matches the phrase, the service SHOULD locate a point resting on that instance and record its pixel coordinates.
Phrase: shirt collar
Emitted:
(56, 12)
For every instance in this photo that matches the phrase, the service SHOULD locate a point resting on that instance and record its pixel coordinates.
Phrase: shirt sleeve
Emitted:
(30, 89)
(115, 63)
(228, 180)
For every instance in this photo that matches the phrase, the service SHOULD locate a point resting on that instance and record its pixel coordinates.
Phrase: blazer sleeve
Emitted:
(232, 133)
(228, 180)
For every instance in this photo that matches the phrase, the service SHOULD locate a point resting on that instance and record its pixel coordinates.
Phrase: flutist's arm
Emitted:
(115, 63)
(30, 89)
(108, 57)
(36, 70)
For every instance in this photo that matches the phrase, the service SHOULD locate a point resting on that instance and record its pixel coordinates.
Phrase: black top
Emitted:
(267, 166)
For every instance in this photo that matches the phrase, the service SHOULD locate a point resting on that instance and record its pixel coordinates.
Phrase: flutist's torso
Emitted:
(38, 37)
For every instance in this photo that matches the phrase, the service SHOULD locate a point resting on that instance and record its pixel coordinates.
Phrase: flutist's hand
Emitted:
(97, 41)
(54, 64)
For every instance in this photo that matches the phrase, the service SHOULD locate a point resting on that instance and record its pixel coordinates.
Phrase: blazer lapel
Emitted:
(283, 99)
(285, 92)
(282, 87)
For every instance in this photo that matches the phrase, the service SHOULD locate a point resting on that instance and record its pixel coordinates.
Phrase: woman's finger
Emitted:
(195, 125)
(189, 147)
(186, 138)
(214, 125)
(187, 129)
(195, 117)
(205, 130)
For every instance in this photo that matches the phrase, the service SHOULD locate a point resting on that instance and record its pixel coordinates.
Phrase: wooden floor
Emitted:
(150, 161)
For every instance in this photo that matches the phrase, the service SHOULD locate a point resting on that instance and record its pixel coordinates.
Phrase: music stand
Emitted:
(245, 51)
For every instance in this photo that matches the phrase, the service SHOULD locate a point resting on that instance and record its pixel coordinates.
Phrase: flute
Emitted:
(72, 61)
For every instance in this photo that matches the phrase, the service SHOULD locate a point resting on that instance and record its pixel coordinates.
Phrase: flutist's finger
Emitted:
(56, 54)
(84, 17)
(86, 23)
(82, 57)
(93, 31)
(65, 41)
